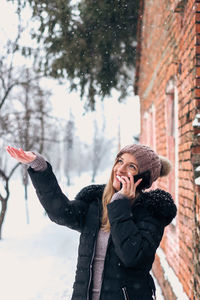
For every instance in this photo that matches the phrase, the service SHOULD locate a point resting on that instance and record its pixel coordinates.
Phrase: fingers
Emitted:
(126, 186)
(17, 154)
(138, 182)
(126, 182)
(132, 183)
(129, 186)
(14, 151)
(11, 151)
(21, 155)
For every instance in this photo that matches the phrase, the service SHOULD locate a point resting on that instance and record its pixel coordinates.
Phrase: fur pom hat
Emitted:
(148, 159)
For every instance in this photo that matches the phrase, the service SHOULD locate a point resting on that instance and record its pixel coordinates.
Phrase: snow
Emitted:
(197, 180)
(38, 261)
(196, 122)
(39, 265)
(171, 277)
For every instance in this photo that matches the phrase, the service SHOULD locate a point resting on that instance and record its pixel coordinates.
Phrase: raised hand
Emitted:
(128, 185)
(20, 155)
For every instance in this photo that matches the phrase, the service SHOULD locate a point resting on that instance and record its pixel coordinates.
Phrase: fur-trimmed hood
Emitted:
(91, 192)
(159, 203)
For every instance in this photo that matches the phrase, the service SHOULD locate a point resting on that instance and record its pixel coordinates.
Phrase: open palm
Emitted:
(22, 156)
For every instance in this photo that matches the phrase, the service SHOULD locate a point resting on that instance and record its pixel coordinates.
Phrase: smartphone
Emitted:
(145, 180)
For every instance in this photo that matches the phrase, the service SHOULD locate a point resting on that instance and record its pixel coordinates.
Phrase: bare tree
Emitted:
(29, 121)
(81, 152)
(68, 148)
(11, 75)
(10, 78)
(100, 148)
(23, 113)
(5, 193)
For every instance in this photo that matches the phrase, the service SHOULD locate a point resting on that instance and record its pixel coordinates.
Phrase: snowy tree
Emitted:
(92, 43)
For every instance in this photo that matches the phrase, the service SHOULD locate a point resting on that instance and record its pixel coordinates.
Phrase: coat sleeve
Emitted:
(58, 207)
(135, 241)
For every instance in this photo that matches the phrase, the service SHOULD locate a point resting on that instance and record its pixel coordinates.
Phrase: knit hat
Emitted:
(148, 159)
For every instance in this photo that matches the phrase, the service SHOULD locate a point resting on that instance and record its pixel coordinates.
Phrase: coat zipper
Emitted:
(125, 293)
(93, 254)
(154, 295)
(109, 239)
(90, 278)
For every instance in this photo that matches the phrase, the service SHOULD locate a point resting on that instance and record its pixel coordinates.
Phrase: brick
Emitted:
(197, 93)
(198, 39)
(197, 7)
(197, 28)
(175, 40)
(197, 103)
(195, 150)
(198, 68)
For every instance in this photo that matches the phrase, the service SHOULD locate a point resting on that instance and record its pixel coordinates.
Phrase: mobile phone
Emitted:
(145, 183)
(145, 180)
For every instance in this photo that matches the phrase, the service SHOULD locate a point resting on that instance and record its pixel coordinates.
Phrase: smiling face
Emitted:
(126, 163)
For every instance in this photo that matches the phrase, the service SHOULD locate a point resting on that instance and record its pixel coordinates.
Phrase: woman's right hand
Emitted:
(22, 156)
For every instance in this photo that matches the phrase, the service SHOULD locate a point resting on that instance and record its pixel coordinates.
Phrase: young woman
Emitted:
(121, 225)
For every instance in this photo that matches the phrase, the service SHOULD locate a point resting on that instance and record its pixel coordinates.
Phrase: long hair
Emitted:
(107, 195)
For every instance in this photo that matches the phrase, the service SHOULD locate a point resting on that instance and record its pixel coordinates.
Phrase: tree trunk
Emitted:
(2, 213)
(68, 180)
(94, 173)
(4, 200)
(26, 203)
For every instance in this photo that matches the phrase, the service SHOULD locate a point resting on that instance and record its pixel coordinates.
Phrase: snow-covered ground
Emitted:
(37, 261)
(38, 265)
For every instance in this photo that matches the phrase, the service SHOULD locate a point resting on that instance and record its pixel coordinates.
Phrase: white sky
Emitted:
(127, 113)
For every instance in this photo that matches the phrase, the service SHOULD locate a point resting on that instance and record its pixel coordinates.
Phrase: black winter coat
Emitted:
(136, 232)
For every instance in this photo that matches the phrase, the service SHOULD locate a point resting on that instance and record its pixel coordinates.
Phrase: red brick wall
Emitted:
(169, 49)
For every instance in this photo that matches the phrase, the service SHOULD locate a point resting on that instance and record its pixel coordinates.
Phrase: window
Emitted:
(179, 5)
(171, 108)
(149, 128)
(149, 132)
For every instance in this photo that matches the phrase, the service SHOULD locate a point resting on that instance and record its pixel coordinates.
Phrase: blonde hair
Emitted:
(107, 195)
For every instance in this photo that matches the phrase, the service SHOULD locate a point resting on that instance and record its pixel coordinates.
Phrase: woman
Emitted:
(121, 226)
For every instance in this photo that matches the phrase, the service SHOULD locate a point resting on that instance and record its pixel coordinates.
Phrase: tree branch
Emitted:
(13, 170)
(3, 175)
(17, 83)
(3, 82)
(6, 94)
(15, 47)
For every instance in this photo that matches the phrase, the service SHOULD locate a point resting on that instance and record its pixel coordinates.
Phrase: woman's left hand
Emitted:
(129, 186)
